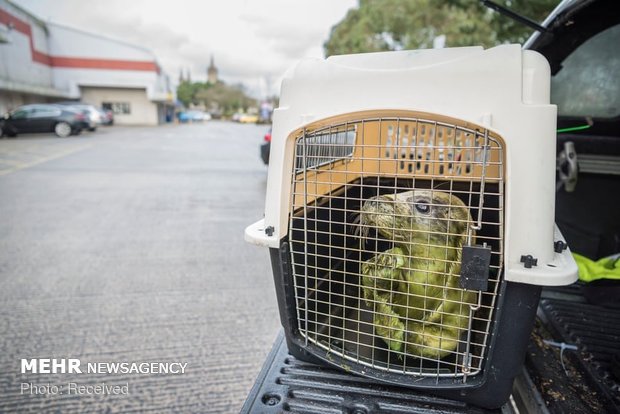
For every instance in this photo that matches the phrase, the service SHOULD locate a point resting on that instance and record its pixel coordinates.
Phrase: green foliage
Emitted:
(186, 91)
(226, 98)
(516, 32)
(379, 25)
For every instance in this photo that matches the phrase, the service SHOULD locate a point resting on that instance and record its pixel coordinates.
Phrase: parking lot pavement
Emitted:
(126, 245)
(29, 150)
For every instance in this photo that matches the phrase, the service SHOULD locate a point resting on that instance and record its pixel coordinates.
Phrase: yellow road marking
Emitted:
(25, 165)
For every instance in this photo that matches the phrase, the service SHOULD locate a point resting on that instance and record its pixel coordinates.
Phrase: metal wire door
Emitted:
(381, 208)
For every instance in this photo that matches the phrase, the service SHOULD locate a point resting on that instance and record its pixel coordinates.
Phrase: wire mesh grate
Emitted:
(380, 211)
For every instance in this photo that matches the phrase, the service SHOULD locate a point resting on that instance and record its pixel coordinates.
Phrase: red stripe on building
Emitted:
(72, 62)
(18, 24)
(88, 63)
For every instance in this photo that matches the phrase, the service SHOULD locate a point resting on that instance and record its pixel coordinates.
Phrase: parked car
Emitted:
(61, 120)
(248, 119)
(198, 116)
(216, 114)
(183, 117)
(107, 116)
(266, 147)
(244, 118)
(93, 116)
(193, 115)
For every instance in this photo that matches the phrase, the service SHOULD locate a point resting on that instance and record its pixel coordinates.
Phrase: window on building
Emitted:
(118, 108)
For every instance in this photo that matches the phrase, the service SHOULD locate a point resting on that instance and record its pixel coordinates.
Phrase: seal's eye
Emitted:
(422, 207)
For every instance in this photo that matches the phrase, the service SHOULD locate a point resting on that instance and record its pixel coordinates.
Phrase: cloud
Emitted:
(283, 37)
(252, 42)
(293, 28)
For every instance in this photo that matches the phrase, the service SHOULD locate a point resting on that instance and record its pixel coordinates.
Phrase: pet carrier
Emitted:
(409, 215)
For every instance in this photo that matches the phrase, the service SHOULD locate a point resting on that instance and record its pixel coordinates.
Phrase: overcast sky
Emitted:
(252, 41)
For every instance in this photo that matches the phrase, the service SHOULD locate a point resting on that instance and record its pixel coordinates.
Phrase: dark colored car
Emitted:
(63, 121)
(581, 45)
(579, 325)
(266, 147)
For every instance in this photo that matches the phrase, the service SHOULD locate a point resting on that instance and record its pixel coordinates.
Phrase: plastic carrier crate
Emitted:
(409, 215)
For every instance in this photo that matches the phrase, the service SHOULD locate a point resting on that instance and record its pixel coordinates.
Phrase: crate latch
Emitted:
(475, 265)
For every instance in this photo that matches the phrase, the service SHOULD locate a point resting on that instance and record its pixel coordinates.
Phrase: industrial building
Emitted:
(48, 62)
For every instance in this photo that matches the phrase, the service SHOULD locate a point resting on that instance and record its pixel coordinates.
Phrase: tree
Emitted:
(186, 91)
(379, 25)
(508, 30)
(227, 99)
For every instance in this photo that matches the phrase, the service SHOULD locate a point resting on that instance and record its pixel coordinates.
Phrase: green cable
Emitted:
(571, 129)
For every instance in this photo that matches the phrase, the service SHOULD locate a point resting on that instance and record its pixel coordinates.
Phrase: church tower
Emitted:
(212, 73)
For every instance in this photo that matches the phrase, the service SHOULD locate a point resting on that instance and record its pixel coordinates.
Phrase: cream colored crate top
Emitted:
(504, 89)
(398, 144)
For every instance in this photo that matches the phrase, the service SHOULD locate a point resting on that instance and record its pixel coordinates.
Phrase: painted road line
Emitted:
(21, 166)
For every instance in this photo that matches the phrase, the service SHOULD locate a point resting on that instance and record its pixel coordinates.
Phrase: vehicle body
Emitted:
(198, 116)
(266, 147)
(193, 115)
(183, 117)
(581, 49)
(107, 116)
(215, 114)
(244, 118)
(573, 357)
(61, 120)
(248, 119)
(93, 116)
(581, 44)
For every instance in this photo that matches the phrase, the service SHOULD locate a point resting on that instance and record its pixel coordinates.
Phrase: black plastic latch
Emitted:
(475, 264)
(529, 261)
(269, 231)
(559, 246)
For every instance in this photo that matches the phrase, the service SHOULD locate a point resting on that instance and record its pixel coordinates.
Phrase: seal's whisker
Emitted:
(364, 229)
(438, 186)
(354, 225)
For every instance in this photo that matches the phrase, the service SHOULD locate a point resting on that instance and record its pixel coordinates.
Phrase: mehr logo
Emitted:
(51, 366)
(72, 366)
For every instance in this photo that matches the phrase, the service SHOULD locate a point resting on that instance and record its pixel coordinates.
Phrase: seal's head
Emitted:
(405, 217)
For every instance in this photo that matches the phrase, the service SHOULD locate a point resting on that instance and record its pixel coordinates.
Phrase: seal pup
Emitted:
(413, 287)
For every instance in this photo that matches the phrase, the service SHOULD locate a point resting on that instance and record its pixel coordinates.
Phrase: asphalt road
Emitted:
(126, 245)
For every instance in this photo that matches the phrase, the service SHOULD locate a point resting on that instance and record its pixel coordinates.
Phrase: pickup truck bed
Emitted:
(288, 385)
(585, 380)
(553, 381)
